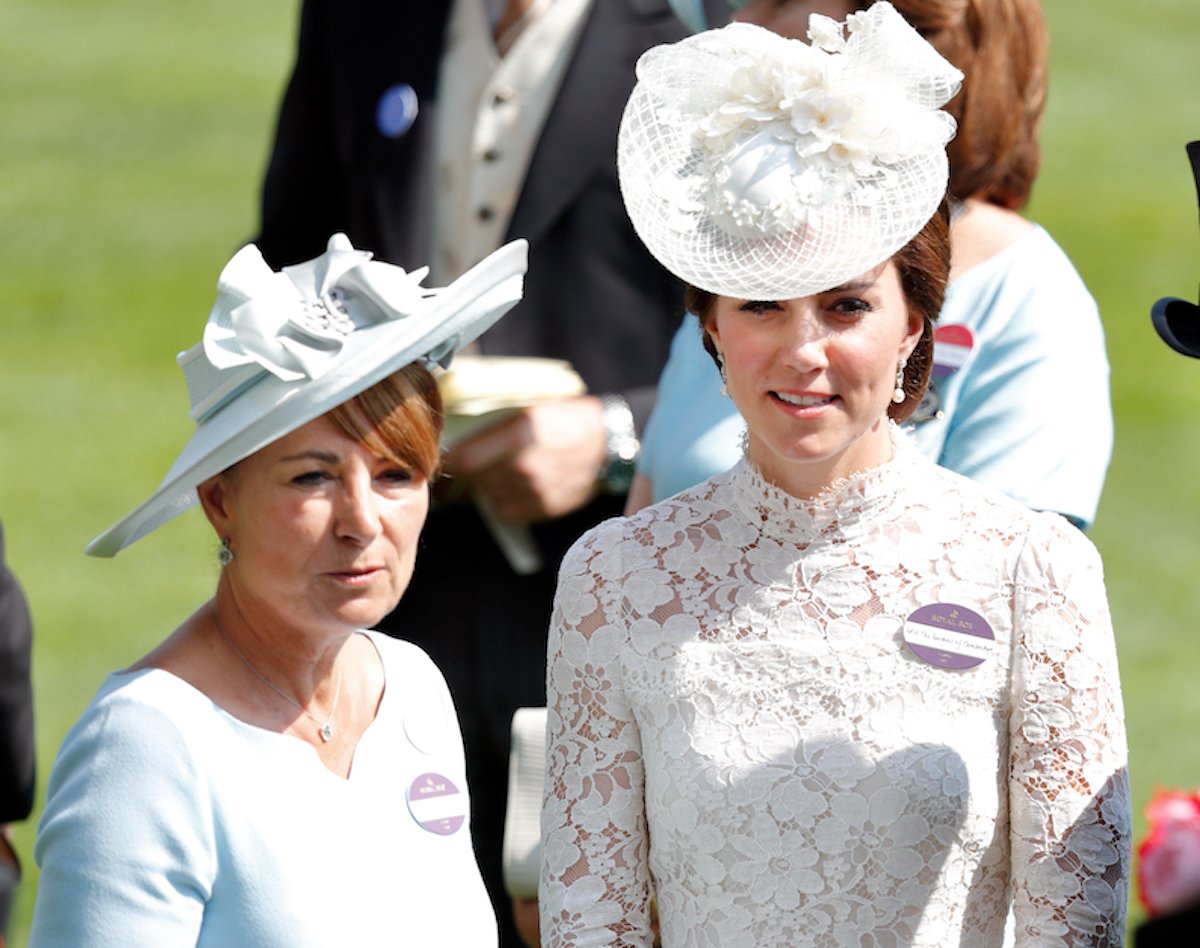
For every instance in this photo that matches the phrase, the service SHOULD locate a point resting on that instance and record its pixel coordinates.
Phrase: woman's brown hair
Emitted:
(399, 418)
(1001, 46)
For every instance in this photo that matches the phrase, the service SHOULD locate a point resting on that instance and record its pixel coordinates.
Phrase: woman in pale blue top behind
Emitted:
(1019, 398)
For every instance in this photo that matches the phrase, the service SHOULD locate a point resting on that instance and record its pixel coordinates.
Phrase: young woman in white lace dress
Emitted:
(836, 695)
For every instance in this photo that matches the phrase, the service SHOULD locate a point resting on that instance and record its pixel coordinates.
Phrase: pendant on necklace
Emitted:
(326, 732)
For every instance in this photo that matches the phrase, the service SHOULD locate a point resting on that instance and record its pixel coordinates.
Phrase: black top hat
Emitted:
(1178, 321)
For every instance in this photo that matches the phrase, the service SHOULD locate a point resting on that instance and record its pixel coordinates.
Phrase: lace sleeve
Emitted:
(1068, 777)
(595, 882)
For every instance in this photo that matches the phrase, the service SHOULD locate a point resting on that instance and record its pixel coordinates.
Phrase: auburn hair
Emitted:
(1001, 46)
(399, 418)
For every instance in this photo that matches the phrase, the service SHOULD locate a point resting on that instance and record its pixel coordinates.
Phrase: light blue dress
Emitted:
(1027, 412)
(170, 822)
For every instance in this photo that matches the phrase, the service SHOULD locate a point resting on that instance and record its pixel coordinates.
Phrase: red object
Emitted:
(952, 345)
(954, 334)
(1168, 867)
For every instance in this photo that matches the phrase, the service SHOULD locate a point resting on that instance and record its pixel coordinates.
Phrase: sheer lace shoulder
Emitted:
(749, 725)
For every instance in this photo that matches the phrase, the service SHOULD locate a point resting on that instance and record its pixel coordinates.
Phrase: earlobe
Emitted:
(708, 327)
(916, 329)
(912, 339)
(214, 499)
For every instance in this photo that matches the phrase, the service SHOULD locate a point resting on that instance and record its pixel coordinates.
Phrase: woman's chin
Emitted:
(361, 614)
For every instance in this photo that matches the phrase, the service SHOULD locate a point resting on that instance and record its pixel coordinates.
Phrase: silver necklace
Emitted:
(324, 728)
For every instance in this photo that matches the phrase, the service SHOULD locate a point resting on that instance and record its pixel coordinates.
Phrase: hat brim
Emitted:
(1178, 324)
(271, 407)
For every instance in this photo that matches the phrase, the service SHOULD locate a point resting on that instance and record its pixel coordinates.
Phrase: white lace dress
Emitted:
(747, 720)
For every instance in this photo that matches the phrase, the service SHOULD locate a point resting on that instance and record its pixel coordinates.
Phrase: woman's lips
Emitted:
(356, 577)
(804, 400)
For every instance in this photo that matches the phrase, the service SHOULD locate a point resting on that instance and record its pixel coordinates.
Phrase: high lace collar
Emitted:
(842, 510)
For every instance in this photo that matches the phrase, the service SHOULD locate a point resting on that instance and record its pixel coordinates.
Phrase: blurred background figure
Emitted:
(431, 132)
(1174, 868)
(16, 727)
(1019, 398)
(1178, 321)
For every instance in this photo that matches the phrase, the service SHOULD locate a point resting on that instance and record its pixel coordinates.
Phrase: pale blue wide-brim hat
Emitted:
(280, 349)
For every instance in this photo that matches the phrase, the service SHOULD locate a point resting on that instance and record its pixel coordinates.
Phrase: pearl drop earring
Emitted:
(724, 378)
(898, 396)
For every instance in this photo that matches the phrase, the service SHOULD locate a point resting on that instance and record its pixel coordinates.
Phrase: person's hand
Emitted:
(525, 920)
(538, 464)
(8, 855)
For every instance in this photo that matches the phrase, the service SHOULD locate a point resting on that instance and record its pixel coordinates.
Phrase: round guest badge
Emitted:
(949, 636)
(436, 804)
(952, 345)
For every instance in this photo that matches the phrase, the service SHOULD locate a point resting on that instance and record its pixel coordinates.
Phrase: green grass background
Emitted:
(132, 140)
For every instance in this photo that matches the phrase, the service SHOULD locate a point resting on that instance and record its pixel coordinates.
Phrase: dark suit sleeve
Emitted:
(594, 295)
(332, 168)
(641, 398)
(16, 699)
(302, 191)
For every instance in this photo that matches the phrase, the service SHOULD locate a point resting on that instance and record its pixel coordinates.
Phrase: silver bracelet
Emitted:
(623, 446)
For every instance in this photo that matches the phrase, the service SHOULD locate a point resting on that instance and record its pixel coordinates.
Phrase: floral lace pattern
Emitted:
(738, 728)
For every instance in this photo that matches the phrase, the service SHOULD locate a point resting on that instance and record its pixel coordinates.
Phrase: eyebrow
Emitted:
(328, 457)
(852, 287)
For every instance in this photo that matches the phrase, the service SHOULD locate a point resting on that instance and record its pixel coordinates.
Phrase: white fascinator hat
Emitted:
(759, 167)
(280, 349)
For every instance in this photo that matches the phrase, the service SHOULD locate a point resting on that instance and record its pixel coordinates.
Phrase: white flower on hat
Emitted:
(807, 97)
(826, 33)
(295, 322)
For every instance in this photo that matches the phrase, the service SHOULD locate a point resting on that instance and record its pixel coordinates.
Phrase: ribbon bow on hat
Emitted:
(293, 323)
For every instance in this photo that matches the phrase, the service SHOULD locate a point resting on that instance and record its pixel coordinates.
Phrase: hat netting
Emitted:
(759, 167)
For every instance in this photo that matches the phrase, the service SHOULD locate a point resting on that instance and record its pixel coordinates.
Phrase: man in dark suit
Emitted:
(16, 726)
(357, 129)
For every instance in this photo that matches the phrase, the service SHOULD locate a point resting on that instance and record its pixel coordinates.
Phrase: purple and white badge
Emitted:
(949, 636)
(436, 804)
(952, 347)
